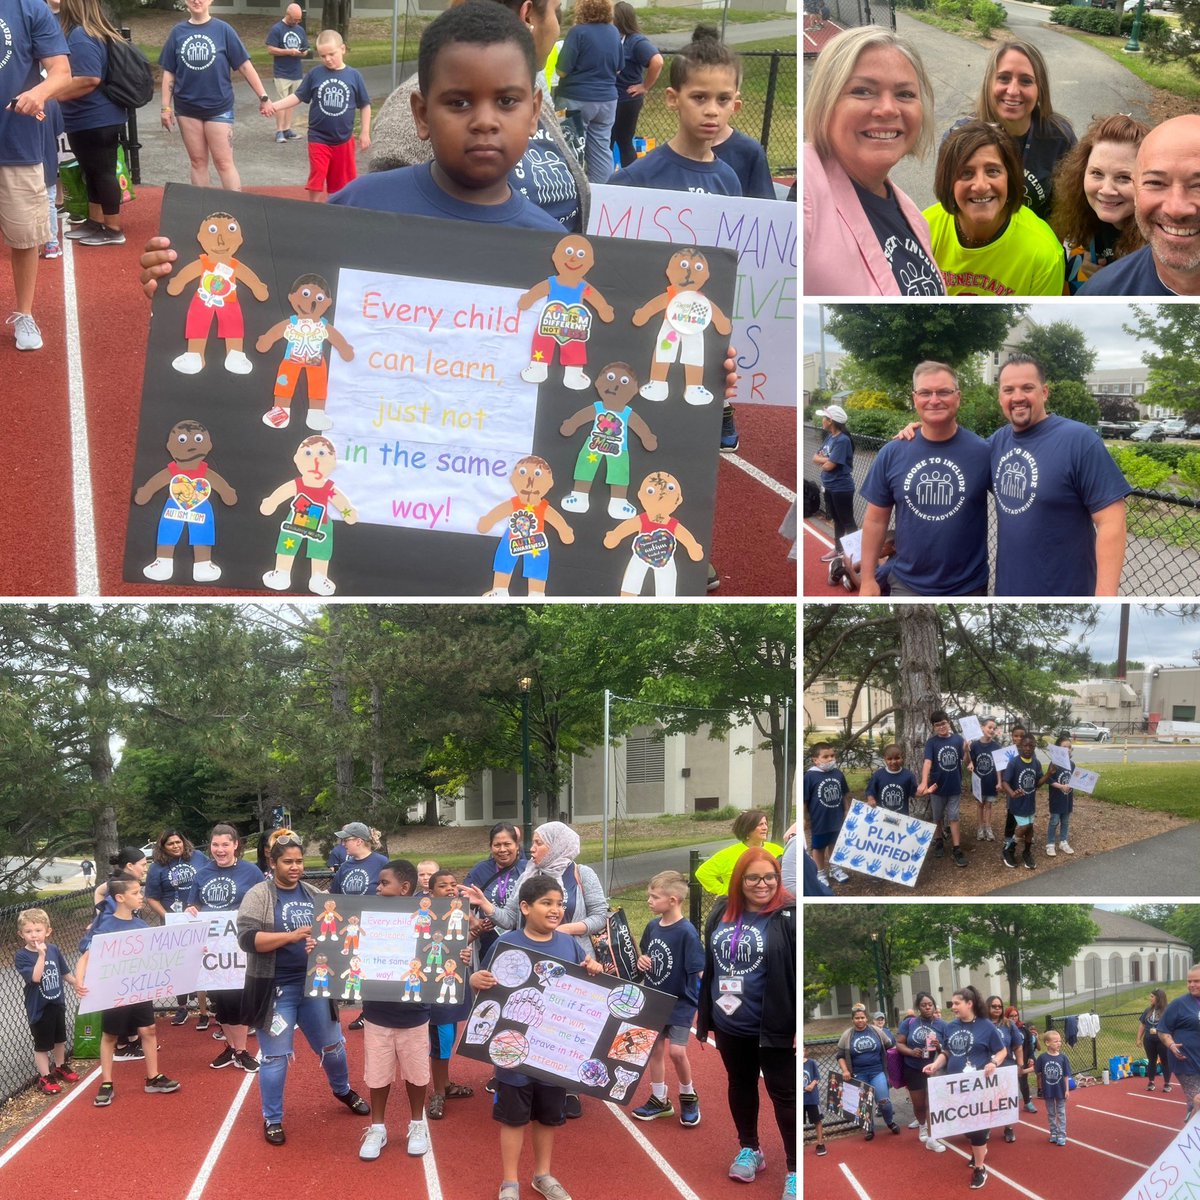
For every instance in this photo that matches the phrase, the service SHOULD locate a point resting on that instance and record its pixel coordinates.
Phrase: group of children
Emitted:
(947, 755)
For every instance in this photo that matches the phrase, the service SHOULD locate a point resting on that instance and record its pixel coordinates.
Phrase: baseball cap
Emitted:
(835, 412)
(355, 829)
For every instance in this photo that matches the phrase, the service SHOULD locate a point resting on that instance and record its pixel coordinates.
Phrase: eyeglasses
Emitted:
(755, 880)
(940, 393)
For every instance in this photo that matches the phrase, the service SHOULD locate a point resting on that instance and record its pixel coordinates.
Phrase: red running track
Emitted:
(70, 537)
(163, 1141)
(1113, 1136)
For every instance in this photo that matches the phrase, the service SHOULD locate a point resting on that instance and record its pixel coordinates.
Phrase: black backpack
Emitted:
(128, 81)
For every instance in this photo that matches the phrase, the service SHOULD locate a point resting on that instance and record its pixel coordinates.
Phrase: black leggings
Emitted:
(96, 152)
(744, 1058)
(841, 511)
(625, 126)
(1155, 1050)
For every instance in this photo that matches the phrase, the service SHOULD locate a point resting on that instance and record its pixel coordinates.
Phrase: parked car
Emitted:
(1089, 731)
(1116, 429)
(1174, 427)
(1152, 431)
(1192, 431)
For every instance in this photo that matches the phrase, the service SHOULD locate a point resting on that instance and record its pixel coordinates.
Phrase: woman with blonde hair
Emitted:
(868, 105)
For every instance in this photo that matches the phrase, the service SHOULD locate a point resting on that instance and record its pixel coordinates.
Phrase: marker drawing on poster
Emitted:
(144, 964)
(972, 1100)
(1084, 781)
(223, 965)
(883, 844)
(1060, 756)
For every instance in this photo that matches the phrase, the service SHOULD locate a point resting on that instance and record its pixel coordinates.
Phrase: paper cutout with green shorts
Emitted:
(687, 314)
(565, 322)
(524, 542)
(190, 482)
(309, 497)
(305, 333)
(656, 536)
(607, 444)
(217, 274)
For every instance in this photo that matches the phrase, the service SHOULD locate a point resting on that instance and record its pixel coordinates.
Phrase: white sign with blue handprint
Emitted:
(883, 844)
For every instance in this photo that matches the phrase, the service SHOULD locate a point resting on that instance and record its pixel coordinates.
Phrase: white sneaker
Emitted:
(160, 570)
(206, 572)
(321, 585)
(418, 1138)
(277, 417)
(277, 581)
(655, 389)
(28, 336)
(823, 878)
(915, 1124)
(575, 379)
(981, 834)
(188, 364)
(536, 372)
(922, 1133)
(621, 510)
(1050, 851)
(1065, 847)
(374, 1139)
(237, 363)
(934, 1145)
(697, 394)
(839, 875)
(496, 594)
(576, 502)
(318, 419)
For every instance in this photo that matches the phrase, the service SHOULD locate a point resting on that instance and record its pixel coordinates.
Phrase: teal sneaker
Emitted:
(747, 1165)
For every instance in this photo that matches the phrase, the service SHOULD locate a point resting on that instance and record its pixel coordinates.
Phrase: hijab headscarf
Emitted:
(563, 843)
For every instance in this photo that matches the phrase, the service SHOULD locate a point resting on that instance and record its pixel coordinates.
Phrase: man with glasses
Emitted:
(937, 484)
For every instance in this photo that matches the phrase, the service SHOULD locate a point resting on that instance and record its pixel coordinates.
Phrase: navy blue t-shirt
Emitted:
(678, 959)
(638, 50)
(664, 168)
(544, 179)
(915, 273)
(972, 1043)
(1022, 776)
(109, 922)
(824, 797)
(749, 162)
(358, 876)
(867, 1052)
(49, 990)
(1053, 1071)
(946, 755)
(201, 58)
(588, 63)
(1060, 802)
(985, 768)
(739, 951)
(89, 59)
(499, 884)
(171, 884)
(293, 910)
(916, 1031)
(337, 856)
(220, 889)
(412, 191)
(1133, 275)
(33, 34)
(838, 448)
(893, 789)
(812, 1074)
(1182, 1021)
(938, 492)
(333, 97)
(1047, 481)
(287, 37)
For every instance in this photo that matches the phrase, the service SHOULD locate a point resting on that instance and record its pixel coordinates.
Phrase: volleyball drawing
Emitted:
(626, 1000)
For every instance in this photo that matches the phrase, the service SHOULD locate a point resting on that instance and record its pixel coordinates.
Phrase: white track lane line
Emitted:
(819, 536)
(993, 1173)
(214, 1151)
(1074, 1141)
(652, 1153)
(433, 1184)
(54, 1113)
(738, 461)
(87, 573)
(1119, 1116)
(858, 1187)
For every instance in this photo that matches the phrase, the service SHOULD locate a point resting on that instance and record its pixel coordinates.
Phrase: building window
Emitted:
(831, 708)
(1183, 712)
(831, 687)
(645, 759)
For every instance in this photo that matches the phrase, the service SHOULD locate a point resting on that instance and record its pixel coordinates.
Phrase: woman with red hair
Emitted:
(748, 1001)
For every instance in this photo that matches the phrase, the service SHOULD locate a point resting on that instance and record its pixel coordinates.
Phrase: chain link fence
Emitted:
(1117, 1039)
(1162, 544)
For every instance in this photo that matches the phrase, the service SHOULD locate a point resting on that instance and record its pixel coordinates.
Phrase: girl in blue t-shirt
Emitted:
(173, 867)
(919, 1038)
(862, 1051)
(643, 65)
(1062, 802)
(1015, 1039)
(835, 459)
(984, 769)
(893, 785)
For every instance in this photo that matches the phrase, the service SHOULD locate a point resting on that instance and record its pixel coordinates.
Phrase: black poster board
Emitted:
(553, 1021)
(429, 417)
(851, 1099)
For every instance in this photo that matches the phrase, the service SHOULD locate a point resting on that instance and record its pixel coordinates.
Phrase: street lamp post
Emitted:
(525, 683)
(1133, 46)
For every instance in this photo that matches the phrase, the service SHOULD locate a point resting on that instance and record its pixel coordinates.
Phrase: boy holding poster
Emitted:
(520, 1098)
(123, 1022)
(1062, 800)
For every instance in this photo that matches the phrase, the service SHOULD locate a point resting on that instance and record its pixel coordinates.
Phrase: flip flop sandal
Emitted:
(437, 1107)
(458, 1091)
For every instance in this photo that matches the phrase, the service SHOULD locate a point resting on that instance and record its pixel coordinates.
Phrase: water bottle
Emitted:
(1105, 1075)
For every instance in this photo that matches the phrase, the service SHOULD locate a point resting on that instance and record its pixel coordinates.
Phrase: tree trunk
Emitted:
(335, 14)
(920, 691)
(431, 806)
(339, 702)
(100, 768)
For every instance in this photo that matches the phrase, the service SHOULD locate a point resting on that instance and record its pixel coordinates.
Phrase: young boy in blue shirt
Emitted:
(1054, 1074)
(41, 965)
(812, 1101)
(519, 1098)
(1022, 778)
(941, 778)
(827, 799)
(984, 769)
(671, 960)
(893, 785)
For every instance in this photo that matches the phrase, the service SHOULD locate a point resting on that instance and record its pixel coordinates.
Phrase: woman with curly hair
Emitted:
(588, 64)
(173, 867)
(1093, 197)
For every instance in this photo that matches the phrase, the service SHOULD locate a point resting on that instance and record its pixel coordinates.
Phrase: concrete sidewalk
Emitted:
(262, 162)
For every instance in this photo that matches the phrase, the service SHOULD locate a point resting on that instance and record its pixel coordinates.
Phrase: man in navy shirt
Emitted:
(937, 485)
(287, 44)
(1168, 164)
(29, 38)
(1060, 497)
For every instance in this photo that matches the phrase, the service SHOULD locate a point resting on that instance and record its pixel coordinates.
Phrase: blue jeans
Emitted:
(1056, 1114)
(879, 1082)
(1057, 820)
(321, 1031)
(598, 119)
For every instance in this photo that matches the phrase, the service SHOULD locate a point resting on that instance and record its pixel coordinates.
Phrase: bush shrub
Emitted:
(987, 17)
(1090, 20)
(1140, 469)
(876, 422)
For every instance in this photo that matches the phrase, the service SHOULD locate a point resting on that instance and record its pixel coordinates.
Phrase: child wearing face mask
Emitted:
(827, 800)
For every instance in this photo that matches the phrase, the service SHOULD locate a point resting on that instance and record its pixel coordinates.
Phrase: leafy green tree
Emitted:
(1117, 408)
(1175, 330)
(1158, 915)
(1071, 399)
(1181, 43)
(1062, 349)
(1184, 922)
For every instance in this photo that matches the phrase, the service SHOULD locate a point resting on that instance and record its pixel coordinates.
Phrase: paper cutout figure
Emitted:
(450, 979)
(594, 1073)
(525, 1006)
(321, 975)
(633, 1045)
(305, 333)
(511, 968)
(483, 1022)
(626, 1000)
(413, 978)
(455, 922)
(687, 313)
(525, 542)
(218, 274)
(190, 482)
(608, 442)
(624, 1078)
(437, 952)
(353, 975)
(508, 1049)
(655, 536)
(307, 523)
(327, 922)
(564, 323)
(423, 921)
(350, 935)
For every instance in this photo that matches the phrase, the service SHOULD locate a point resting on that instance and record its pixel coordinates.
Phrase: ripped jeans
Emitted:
(292, 1007)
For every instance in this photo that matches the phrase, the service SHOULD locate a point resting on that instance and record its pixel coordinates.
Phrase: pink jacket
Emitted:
(842, 255)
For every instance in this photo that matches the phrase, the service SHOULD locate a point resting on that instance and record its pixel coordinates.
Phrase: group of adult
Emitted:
(1059, 497)
(1024, 207)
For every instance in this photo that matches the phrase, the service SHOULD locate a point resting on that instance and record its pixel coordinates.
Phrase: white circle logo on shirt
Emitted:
(829, 793)
(291, 40)
(6, 40)
(935, 489)
(218, 893)
(947, 757)
(960, 1042)
(354, 881)
(197, 51)
(181, 875)
(660, 955)
(1052, 1072)
(51, 983)
(1027, 778)
(864, 1043)
(983, 763)
(748, 956)
(891, 795)
(295, 914)
(334, 98)
(1015, 481)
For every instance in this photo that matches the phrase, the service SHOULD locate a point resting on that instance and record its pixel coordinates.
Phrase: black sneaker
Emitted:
(180, 1017)
(273, 1133)
(246, 1061)
(355, 1103)
(227, 1058)
(129, 1053)
(1027, 859)
(714, 580)
(218, 1034)
(490, 1086)
(104, 1096)
(357, 1023)
(822, 1150)
(573, 1107)
(978, 1177)
(960, 859)
(160, 1083)
(203, 1023)
(729, 433)
(939, 849)
(104, 236)
(1010, 856)
(1010, 1134)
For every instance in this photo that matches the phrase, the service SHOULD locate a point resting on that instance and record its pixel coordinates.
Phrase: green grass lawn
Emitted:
(1131, 998)
(1173, 77)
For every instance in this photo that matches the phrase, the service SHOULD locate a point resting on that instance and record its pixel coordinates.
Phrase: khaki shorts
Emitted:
(386, 1049)
(24, 207)
(285, 87)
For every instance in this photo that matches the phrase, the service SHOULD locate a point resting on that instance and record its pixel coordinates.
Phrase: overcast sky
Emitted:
(1100, 322)
(1163, 637)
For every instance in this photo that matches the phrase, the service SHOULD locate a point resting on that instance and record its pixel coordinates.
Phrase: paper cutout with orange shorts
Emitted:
(687, 314)
(190, 482)
(656, 535)
(218, 274)
(305, 333)
(310, 496)
(565, 322)
(524, 541)
(608, 442)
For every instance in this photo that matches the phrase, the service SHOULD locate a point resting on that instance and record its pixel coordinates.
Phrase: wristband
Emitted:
(263, 98)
